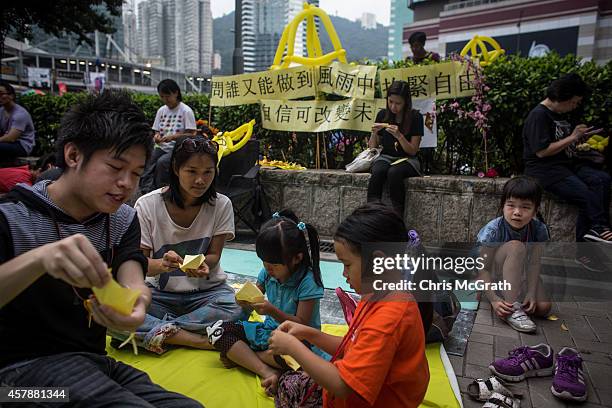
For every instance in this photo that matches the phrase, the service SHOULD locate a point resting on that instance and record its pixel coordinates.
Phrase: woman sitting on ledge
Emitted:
(399, 130)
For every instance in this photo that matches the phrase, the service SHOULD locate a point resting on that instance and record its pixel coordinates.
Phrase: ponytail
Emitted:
(315, 256)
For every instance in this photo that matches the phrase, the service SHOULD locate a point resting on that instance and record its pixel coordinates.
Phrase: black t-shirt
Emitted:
(543, 127)
(390, 144)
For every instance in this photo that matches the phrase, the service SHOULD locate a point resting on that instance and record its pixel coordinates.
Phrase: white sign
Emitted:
(39, 77)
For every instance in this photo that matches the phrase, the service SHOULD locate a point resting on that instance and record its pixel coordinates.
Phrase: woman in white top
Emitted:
(186, 218)
(173, 120)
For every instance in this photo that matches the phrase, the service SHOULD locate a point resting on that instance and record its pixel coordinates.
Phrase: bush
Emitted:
(516, 85)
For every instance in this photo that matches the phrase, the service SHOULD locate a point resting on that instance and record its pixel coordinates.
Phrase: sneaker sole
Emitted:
(544, 372)
(521, 329)
(595, 238)
(566, 395)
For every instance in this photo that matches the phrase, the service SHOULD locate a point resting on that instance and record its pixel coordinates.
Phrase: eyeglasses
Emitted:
(198, 144)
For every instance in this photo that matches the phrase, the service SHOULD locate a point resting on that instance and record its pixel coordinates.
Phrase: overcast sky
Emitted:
(351, 9)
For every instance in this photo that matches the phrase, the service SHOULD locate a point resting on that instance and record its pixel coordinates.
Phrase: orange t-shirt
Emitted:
(384, 362)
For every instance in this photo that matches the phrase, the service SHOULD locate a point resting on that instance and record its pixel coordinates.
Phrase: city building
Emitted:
(75, 72)
(129, 23)
(106, 46)
(263, 22)
(150, 33)
(216, 61)
(528, 27)
(401, 15)
(176, 34)
(368, 21)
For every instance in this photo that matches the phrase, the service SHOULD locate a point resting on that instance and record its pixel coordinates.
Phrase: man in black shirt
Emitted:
(417, 46)
(57, 240)
(550, 157)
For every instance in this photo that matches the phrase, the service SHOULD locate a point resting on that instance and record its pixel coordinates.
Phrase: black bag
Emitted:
(446, 308)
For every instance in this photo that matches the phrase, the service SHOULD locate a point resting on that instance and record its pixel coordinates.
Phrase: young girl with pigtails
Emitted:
(291, 280)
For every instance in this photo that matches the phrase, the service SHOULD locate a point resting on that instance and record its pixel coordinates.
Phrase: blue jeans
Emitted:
(193, 311)
(93, 380)
(589, 189)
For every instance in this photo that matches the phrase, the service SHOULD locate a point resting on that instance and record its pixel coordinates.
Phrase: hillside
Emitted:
(357, 42)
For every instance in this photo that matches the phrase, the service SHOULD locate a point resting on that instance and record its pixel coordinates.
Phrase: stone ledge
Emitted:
(442, 208)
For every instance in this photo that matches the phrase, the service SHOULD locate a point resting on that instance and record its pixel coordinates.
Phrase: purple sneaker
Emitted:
(568, 382)
(523, 362)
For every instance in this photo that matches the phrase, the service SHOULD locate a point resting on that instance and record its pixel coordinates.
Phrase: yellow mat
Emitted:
(200, 375)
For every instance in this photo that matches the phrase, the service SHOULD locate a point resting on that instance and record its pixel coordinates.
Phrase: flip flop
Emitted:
(482, 390)
(498, 400)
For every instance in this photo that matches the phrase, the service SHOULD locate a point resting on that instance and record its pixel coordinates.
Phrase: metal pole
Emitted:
(238, 57)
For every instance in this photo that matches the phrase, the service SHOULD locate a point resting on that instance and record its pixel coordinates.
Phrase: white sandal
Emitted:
(482, 390)
(498, 400)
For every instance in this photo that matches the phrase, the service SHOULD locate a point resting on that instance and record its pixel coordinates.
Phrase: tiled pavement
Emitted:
(589, 330)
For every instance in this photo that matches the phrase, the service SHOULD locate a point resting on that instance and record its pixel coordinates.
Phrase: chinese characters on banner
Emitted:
(357, 81)
(352, 114)
(438, 81)
(290, 83)
(293, 83)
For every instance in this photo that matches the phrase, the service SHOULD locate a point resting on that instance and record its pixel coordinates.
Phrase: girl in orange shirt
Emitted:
(381, 361)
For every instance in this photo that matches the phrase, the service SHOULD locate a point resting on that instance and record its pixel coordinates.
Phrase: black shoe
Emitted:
(599, 235)
(588, 263)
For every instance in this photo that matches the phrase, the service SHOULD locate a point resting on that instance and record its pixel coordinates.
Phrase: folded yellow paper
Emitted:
(294, 365)
(250, 293)
(192, 262)
(116, 296)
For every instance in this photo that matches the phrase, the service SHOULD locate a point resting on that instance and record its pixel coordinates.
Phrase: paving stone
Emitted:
(595, 305)
(504, 344)
(484, 317)
(457, 363)
(599, 375)
(529, 339)
(555, 335)
(601, 325)
(541, 397)
(470, 403)
(574, 310)
(497, 331)
(581, 329)
(479, 354)
(594, 346)
(605, 337)
(596, 357)
(474, 371)
(605, 396)
(481, 338)
(592, 396)
(463, 383)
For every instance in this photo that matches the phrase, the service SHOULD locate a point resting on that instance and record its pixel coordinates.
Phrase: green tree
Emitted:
(79, 17)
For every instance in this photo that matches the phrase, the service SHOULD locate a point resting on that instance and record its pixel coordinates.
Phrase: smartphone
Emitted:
(593, 132)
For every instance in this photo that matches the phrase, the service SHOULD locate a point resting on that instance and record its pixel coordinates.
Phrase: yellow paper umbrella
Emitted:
(226, 140)
(478, 49)
(313, 44)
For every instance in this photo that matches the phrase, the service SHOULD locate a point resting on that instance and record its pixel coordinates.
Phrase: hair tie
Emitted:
(276, 215)
(413, 238)
(301, 226)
